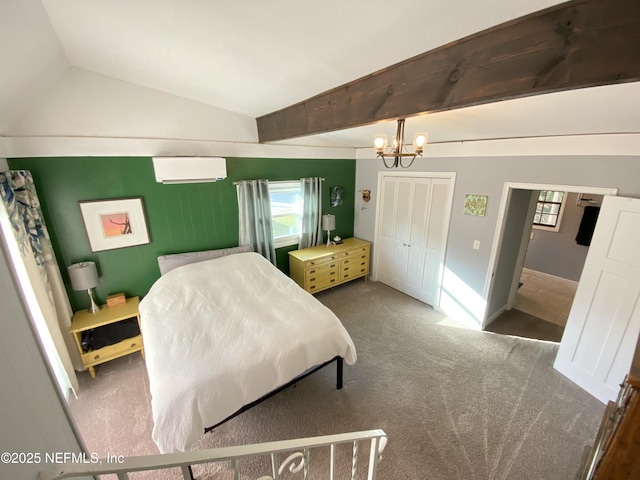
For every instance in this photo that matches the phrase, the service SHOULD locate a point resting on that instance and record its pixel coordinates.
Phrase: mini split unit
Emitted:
(189, 169)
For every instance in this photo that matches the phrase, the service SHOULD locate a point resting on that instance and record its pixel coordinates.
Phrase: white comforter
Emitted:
(222, 333)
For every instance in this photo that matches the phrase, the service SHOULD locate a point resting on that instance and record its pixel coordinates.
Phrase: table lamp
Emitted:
(84, 276)
(328, 224)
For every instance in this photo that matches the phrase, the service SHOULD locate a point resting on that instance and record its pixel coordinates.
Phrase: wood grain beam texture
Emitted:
(581, 43)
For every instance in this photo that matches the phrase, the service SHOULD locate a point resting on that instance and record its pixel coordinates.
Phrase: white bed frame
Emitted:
(287, 455)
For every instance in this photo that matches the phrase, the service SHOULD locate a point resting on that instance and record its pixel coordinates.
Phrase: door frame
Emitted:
(524, 242)
(446, 223)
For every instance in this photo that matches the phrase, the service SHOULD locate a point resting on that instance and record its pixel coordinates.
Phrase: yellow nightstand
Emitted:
(83, 321)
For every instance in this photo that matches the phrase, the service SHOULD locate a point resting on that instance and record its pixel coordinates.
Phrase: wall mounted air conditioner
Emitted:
(189, 169)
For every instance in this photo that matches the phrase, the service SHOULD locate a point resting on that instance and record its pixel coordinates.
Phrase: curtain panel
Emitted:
(311, 228)
(254, 217)
(50, 307)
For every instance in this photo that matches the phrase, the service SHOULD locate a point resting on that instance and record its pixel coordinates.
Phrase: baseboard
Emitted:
(571, 283)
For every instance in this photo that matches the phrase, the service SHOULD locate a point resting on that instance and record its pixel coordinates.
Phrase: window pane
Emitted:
(286, 206)
(542, 195)
(549, 220)
(536, 219)
(552, 208)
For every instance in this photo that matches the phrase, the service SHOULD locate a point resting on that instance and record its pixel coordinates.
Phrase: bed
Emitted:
(222, 333)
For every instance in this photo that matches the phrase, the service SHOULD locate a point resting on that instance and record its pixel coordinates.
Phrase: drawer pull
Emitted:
(332, 273)
(311, 272)
(361, 270)
(363, 263)
(333, 280)
(96, 357)
(346, 261)
(312, 279)
(133, 345)
(312, 287)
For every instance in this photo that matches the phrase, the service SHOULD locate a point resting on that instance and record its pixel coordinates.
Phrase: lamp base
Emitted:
(94, 307)
(328, 238)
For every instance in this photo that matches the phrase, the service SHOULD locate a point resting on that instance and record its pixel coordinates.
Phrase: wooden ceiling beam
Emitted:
(581, 43)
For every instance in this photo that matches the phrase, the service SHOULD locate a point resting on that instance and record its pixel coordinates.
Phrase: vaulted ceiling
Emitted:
(253, 57)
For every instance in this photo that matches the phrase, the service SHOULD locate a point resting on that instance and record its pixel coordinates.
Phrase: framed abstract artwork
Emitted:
(476, 205)
(116, 223)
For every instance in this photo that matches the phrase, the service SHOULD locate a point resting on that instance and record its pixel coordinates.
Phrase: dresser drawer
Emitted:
(321, 276)
(353, 271)
(362, 251)
(321, 261)
(321, 284)
(318, 269)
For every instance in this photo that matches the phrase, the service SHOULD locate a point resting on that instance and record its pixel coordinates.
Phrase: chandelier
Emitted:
(397, 150)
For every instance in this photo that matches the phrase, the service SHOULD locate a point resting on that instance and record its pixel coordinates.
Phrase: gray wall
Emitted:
(557, 253)
(466, 269)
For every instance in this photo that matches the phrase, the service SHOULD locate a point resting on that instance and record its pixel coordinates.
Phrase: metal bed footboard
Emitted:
(287, 455)
(339, 382)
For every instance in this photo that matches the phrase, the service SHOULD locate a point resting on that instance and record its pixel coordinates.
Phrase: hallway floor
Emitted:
(546, 297)
(541, 308)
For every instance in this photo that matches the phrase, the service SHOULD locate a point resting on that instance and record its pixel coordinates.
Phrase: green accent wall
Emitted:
(180, 218)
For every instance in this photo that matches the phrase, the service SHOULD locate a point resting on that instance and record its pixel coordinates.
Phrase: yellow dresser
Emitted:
(322, 267)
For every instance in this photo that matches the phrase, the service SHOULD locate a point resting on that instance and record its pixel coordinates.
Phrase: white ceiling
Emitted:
(254, 56)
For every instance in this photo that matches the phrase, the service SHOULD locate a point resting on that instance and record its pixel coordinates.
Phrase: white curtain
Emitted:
(31, 253)
(254, 217)
(311, 228)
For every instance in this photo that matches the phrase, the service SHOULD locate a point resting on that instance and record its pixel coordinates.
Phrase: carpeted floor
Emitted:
(522, 324)
(455, 403)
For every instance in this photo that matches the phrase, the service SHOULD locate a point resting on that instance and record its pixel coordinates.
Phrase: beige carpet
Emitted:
(455, 403)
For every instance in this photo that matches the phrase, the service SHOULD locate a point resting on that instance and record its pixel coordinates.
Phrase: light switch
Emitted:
(476, 244)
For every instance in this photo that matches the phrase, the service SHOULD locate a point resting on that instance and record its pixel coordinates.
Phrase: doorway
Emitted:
(513, 234)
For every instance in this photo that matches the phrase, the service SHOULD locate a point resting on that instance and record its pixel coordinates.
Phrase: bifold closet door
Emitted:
(411, 236)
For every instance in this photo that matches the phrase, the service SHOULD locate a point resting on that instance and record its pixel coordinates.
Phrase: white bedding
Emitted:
(222, 333)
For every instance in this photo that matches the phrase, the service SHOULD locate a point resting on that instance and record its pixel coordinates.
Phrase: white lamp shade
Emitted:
(83, 275)
(328, 222)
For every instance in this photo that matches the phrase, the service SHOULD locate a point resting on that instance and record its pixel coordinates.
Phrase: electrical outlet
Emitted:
(476, 244)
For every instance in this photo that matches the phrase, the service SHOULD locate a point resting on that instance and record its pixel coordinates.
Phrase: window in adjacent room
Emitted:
(286, 212)
(549, 210)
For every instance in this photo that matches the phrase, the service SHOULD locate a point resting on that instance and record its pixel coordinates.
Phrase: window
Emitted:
(549, 210)
(286, 212)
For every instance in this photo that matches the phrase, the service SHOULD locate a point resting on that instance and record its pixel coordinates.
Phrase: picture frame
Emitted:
(114, 223)
(337, 195)
(476, 205)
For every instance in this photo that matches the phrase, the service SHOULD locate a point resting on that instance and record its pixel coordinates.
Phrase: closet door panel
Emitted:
(391, 253)
(420, 202)
(435, 241)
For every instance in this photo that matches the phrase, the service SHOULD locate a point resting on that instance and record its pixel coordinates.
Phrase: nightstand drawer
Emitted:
(112, 351)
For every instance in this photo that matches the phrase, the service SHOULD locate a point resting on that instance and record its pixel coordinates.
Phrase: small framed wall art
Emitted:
(476, 205)
(116, 223)
(337, 194)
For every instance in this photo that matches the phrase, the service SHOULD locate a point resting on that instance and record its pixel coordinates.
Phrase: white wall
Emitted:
(466, 269)
(86, 104)
(32, 416)
(31, 58)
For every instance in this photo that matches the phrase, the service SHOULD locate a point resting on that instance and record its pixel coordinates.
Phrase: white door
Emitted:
(602, 330)
(411, 238)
